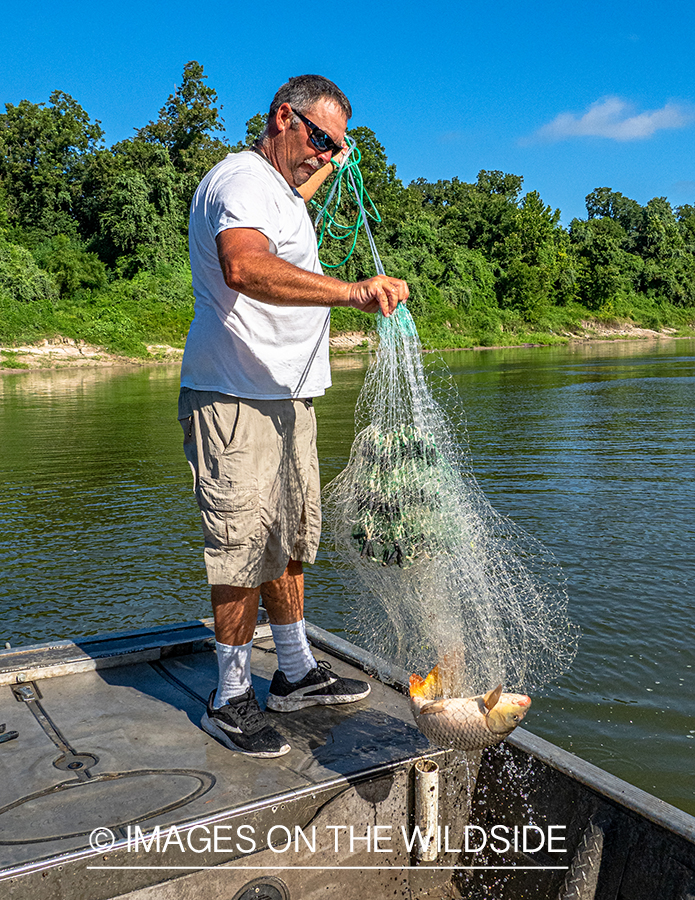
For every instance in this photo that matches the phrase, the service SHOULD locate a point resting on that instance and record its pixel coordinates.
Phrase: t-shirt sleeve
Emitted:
(245, 200)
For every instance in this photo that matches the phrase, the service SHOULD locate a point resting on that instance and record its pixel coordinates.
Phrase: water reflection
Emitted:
(590, 448)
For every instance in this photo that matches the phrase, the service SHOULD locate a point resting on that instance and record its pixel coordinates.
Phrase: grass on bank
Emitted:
(453, 329)
(11, 360)
(124, 317)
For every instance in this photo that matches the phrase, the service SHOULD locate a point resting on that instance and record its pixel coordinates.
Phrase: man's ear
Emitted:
(283, 117)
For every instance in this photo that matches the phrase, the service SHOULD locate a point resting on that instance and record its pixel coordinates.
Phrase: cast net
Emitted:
(438, 576)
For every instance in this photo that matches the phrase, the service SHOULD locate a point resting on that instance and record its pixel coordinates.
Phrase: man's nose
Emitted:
(325, 157)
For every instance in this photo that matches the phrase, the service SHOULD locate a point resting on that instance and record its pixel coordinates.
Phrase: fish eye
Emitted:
(516, 718)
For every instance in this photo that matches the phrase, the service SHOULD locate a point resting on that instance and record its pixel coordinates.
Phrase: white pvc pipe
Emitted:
(426, 809)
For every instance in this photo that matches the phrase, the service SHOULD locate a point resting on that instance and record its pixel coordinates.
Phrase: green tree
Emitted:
(135, 208)
(686, 223)
(605, 203)
(669, 271)
(43, 155)
(21, 279)
(478, 216)
(529, 258)
(188, 126)
(606, 271)
(469, 279)
(628, 249)
(254, 129)
(73, 268)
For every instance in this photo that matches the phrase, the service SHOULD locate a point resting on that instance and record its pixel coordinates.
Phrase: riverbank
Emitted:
(62, 352)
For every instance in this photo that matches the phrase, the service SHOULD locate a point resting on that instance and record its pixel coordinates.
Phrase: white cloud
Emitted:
(616, 119)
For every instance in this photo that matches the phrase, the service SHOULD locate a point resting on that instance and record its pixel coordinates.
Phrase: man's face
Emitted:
(300, 158)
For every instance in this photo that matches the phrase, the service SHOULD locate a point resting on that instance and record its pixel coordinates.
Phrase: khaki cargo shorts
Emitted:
(256, 480)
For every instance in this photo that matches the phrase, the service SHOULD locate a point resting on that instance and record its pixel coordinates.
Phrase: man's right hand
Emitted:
(378, 293)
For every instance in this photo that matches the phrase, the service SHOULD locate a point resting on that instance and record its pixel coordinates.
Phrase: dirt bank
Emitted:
(62, 352)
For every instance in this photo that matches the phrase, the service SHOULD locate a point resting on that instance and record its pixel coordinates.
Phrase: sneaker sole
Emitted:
(292, 704)
(212, 728)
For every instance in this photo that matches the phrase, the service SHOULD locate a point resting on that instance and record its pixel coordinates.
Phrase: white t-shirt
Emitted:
(237, 345)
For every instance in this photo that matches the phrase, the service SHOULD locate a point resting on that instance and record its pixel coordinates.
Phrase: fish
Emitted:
(464, 723)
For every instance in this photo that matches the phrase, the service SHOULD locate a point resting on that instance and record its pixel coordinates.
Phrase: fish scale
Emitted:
(464, 723)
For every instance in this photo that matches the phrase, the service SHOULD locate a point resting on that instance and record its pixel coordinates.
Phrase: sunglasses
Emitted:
(318, 137)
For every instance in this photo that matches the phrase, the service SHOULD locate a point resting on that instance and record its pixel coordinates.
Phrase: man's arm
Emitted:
(249, 267)
(309, 188)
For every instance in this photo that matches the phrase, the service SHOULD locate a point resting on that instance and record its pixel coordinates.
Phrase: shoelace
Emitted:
(248, 714)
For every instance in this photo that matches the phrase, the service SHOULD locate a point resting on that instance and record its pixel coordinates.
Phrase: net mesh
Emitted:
(437, 574)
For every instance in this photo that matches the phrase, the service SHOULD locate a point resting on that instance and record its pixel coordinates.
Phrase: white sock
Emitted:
(294, 654)
(234, 671)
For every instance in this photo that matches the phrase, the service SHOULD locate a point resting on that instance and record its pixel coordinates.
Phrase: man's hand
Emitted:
(378, 293)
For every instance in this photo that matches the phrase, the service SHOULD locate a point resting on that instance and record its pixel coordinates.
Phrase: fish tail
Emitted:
(427, 688)
(416, 685)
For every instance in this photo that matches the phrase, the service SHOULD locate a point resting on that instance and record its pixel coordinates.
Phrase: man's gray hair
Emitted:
(303, 91)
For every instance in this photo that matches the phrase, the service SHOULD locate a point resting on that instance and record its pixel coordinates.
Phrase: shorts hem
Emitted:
(223, 568)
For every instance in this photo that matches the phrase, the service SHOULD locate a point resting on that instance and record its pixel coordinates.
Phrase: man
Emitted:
(256, 356)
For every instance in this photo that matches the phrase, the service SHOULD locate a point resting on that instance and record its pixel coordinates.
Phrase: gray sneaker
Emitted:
(240, 725)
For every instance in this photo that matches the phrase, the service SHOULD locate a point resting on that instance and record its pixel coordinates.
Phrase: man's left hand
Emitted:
(378, 293)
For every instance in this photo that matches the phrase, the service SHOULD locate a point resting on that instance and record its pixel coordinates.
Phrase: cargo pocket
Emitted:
(230, 513)
(190, 447)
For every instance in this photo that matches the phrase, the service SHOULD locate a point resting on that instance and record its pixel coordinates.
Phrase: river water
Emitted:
(589, 448)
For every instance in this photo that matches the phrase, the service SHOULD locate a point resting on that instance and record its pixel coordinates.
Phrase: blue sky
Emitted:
(570, 96)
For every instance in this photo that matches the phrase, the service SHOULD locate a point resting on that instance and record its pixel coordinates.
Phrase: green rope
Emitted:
(348, 183)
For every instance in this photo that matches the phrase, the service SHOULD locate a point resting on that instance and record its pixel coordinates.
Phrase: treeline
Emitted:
(93, 239)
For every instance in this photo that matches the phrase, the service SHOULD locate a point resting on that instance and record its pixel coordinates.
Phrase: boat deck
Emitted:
(109, 738)
(110, 789)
